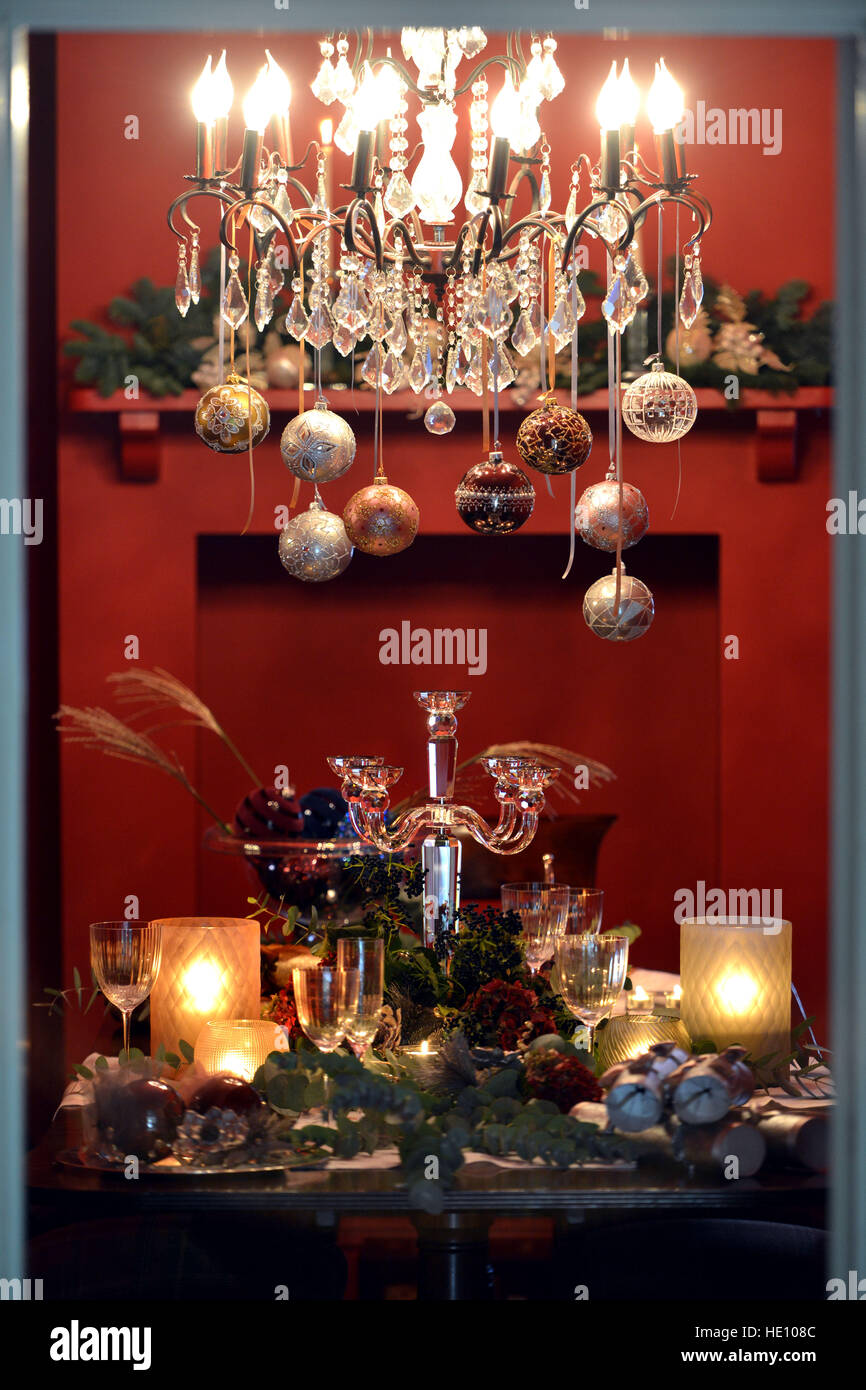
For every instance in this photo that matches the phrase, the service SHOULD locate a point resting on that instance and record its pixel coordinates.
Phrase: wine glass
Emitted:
(592, 972)
(542, 908)
(323, 998)
(366, 955)
(585, 907)
(125, 957)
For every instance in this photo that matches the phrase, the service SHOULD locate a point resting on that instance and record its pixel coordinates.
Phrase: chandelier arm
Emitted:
(360, 36)
(278, 217)
(181, 201)
(504, 60)
(549, 225)
(579, 224)
(313, 145)
(414, 257)
(357, 206)
(705, 204)
(492, 213)
(686, 200)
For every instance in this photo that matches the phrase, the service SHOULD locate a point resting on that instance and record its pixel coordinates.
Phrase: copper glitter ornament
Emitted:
(225, 413)
(596, 515)
(659, 406)
(314, 545)
(381, 519)
(495, 497)
(554, 439)
(318, 445)
(618, 624)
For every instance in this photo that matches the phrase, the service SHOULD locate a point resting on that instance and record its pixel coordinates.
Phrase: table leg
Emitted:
(453, 1256)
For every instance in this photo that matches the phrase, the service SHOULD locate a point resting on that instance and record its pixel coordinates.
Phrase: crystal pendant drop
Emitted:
(461, 365)
(343, 339)
(493, 315)
(380, 322)
(182, 294)
(506, 284)
(475, 200)
(194, 276)
(282, 205)
(323, 85)
(698, 281)
(505, 372)
(320, 328)
(379, 213)
(618, 306)
(635, 279)
(297, 322)
(418, 372)
(399, 198)
(344, 80)
(571, 209)
(260, 219)
(561, 324)
(275, 275)
(545, 193)
(352, 307)
(692, 293)
(576, 301)
(234, 307)
(473, 378)
(397, 337)
(264, 308)
(608, 222)
(439, 418)
(524, 337)
(393, 372)
(372, 365)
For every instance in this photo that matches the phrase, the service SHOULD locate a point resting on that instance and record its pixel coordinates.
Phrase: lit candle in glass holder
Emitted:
(672, 998)
(238, 1046)
(736, 982)
(637, 1001)
(210, 971)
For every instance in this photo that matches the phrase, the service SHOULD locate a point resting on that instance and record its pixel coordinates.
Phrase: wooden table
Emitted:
(243, 1214)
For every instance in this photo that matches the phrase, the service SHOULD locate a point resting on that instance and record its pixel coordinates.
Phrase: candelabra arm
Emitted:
(370, 825)
(508, 832)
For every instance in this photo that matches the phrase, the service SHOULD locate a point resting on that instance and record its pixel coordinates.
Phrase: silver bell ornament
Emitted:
(318, 445)
(314, 545)
(618, 624)
(659, 406)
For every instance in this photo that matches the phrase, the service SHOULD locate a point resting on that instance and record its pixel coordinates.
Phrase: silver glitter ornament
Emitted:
(314, 545)
(318, 445)
(623, 624)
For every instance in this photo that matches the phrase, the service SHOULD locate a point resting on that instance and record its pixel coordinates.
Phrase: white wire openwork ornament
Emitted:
(659, 406)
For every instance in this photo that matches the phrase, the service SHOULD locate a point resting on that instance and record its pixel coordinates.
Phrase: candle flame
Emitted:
(665, 101)
(326, 132)
(738, 992)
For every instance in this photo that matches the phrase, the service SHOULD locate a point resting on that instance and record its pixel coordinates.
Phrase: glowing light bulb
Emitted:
(258, 103)
(505, 112)
(436, 183)
(202, 100)
(738, 992)
(222, 91)
(204, 985)
(388, 88)
(665, 105)
(326, 132)
(279, 86)
(366, 103)
(629, 97)
(607, 108)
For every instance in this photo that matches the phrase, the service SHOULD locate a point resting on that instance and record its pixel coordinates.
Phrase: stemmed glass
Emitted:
(542, 908)
(592, 972)
(366, 955)
(125, 957)
(585, 906)
(323, 998)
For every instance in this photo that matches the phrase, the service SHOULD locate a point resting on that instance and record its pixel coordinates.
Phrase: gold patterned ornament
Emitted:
(381, 519)
(739, 346)
(314, 546)
(596, 515)
(554, 439)
(318, 445)
(624, 623)
(225, 414)
(659, 406)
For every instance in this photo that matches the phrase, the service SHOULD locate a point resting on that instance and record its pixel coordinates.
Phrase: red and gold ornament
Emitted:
(554, 439)
(495, 497)
(381, 519)
(226, 414)
(596, 515)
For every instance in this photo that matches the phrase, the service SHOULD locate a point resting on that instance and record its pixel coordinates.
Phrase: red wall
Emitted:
(721, 765)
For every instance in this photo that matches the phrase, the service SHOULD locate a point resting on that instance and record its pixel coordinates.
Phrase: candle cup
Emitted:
(736, 982)
(666, 154)
(610, 173)
(203, 150)
(238, 1046)
(210, 971)
(360, 182)
(497, 176)
(250, 160)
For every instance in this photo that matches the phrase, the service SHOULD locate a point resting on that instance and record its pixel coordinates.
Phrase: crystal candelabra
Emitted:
(519, 786)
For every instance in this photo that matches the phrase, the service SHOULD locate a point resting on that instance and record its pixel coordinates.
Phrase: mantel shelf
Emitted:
(139, 424)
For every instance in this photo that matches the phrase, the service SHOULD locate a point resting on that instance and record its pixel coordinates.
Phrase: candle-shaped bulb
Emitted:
(223, 92)
(366, 103)
(279, 86)
(505, 112)
(608, 108)
(202, 98)
(326, 132)
(629, 97)
(258, 103)
(665, 104)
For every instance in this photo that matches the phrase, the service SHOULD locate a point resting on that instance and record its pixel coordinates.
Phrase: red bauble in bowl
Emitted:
(269, 813)
(139, 1118)
(226, 1092)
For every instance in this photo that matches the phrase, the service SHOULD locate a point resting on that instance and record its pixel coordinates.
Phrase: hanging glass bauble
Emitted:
(439, 418)
(659, 406)
(381, 519)
(495, 497)
(597, 515)
(318, 445)
(314, 545)
(618, 624)
(554, 439)
(224, 414)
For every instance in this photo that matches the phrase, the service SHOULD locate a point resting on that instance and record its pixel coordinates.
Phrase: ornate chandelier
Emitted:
(438, 298)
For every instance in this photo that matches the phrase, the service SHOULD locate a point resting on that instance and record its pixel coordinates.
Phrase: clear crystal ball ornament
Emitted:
(659, 406)
(439, 418)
